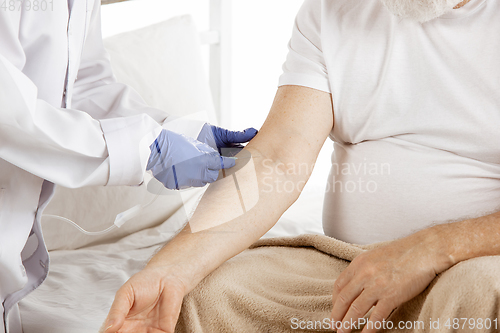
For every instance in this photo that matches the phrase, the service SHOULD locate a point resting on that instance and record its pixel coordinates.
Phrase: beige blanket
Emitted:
(285, 285)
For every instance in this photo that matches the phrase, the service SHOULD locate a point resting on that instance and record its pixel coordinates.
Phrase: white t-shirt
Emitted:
(417, 113)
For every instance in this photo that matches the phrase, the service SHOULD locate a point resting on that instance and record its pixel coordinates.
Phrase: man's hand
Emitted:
(150, 302)
(386, 277)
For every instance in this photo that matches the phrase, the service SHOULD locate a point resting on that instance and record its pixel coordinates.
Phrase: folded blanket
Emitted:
(285, 285)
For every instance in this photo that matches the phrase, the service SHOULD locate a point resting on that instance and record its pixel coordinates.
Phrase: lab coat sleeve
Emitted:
(123, 115)
(64, 146)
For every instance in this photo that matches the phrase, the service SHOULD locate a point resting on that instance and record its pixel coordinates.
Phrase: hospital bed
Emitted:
(181, 64)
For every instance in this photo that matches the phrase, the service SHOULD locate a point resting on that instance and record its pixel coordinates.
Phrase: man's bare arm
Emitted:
(293, 134)
(470, 238)
(285, 150)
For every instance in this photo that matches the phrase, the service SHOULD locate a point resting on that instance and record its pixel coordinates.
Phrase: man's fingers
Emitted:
(340, 284)
(119, 310)
(358, 309)
(380, 313)
(344, 299)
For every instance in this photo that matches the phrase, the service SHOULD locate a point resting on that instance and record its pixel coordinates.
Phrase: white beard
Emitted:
(420, 10)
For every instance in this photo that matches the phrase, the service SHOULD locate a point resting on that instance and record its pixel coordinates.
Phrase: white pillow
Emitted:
(163, 63)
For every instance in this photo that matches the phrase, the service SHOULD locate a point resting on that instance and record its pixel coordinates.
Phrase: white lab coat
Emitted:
(63, 120)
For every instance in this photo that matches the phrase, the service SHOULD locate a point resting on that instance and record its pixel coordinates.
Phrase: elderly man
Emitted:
(409, 84)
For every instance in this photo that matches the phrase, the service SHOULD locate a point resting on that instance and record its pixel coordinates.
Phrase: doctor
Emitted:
(65, 120)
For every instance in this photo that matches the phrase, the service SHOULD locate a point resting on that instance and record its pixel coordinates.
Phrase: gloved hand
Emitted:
(179, 162)
(227, 142)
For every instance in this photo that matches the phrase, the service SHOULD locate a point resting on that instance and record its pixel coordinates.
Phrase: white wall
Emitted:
(261, 31)
(130, 15)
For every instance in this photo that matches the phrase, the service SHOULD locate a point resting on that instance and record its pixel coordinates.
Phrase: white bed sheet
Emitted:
(82, 283)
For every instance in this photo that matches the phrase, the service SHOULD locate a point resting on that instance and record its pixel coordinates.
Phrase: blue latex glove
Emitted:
(179, 162)
(227, 142)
